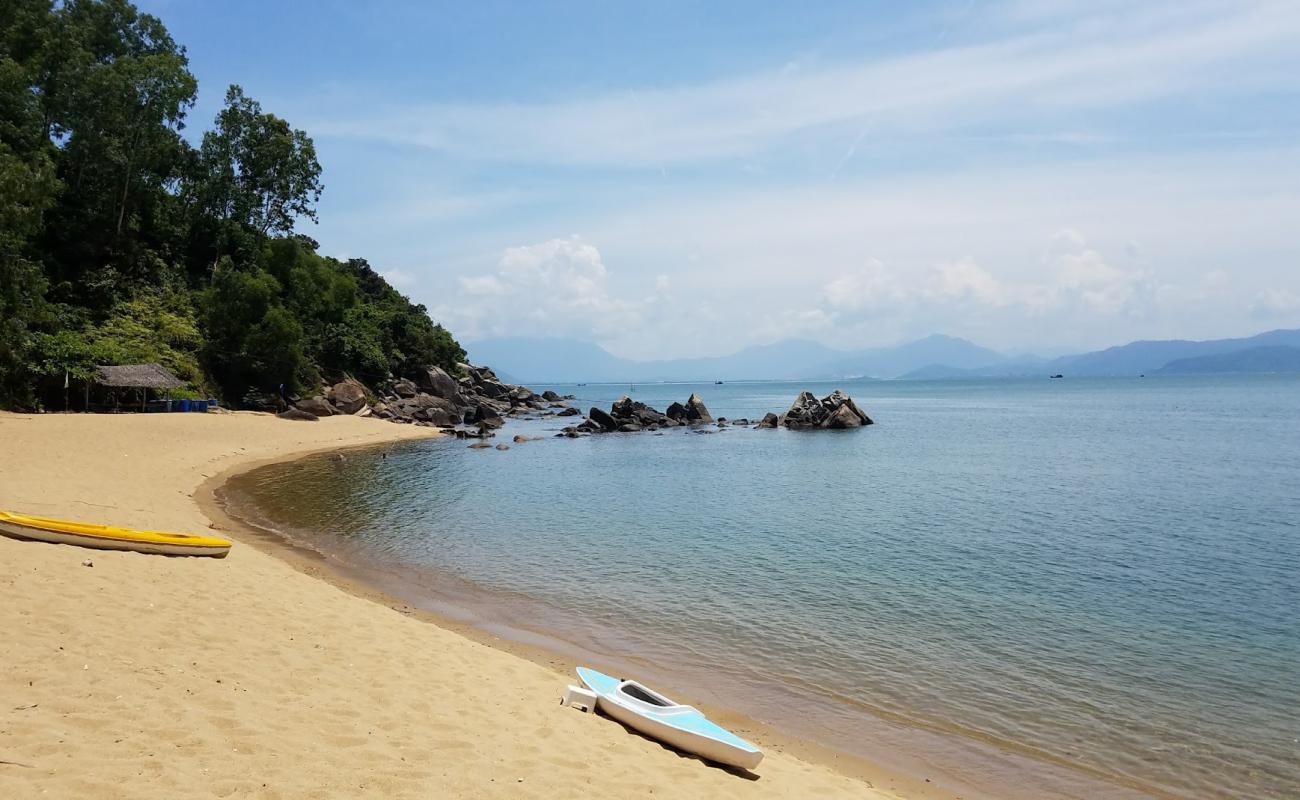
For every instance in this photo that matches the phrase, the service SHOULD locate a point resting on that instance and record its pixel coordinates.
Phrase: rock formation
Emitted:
(835, 410)
(472, 406)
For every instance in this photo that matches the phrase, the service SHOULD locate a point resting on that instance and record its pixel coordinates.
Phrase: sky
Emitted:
(678, 179)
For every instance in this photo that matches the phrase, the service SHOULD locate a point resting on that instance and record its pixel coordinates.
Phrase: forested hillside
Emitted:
(120, 241)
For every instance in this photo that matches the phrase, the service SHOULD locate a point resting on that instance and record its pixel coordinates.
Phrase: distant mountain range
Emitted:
(1270, 358)
(556, 360)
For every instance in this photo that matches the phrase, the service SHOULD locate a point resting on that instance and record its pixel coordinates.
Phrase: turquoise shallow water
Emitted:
(1102, 573)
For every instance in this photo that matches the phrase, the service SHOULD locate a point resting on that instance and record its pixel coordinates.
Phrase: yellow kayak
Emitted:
(107, 537)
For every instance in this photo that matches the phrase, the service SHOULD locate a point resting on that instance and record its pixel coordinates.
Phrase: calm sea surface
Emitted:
(1098, 575)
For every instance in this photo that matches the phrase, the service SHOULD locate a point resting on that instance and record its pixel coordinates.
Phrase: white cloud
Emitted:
(963, 280)
(869, 287)
(1107, 57)
(1274, 302)
(554, 288)
(1085, 279)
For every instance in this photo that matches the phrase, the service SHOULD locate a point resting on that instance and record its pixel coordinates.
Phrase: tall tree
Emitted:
(257, 169)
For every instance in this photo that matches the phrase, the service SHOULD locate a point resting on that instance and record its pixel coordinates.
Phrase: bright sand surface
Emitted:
(153, 677)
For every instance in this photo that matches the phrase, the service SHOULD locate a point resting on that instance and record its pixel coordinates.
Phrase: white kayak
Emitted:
(683, 727)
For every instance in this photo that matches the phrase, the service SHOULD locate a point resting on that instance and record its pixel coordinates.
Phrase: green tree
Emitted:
(256, 169)
(28, 188)
(120, 243)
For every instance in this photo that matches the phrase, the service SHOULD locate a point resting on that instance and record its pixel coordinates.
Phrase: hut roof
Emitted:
(138, 376)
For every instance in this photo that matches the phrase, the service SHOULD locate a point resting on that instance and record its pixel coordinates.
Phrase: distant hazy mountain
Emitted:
(540, 360)
(1136, 358)
(551, 360)
(1269, 358)
(1140, 357)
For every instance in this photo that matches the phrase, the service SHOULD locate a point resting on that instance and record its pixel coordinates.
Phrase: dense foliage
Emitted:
(121, 242)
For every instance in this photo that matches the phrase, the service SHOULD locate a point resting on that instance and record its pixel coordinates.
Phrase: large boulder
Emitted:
(317, 405)
(696, 411)
(769, 420)
(348, 395)
(405, 388)
(485, 415)
(568, 411)
(604, 420)
(804, 412)
(436, 381)
(676, 411)
(839, 399)
(550, 395)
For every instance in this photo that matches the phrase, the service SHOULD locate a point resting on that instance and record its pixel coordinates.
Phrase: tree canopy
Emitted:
(120, 241)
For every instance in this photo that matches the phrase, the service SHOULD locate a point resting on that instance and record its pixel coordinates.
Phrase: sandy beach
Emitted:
(153, 677)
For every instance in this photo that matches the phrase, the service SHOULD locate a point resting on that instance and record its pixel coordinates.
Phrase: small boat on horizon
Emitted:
(681, 726)
(108, 537)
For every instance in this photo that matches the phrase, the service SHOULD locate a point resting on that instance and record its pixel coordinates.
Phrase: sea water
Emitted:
(1100, 575)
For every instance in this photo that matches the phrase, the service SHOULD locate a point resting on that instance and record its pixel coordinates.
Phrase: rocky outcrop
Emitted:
(835, 410)
(471, 406)
(769, 420)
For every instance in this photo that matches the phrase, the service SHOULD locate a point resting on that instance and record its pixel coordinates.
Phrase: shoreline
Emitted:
(545, 650)
(148, 677)
(913, 771)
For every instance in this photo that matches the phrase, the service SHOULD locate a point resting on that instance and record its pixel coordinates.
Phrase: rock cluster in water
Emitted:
(474, 405)
(834, 411)
(630, 416)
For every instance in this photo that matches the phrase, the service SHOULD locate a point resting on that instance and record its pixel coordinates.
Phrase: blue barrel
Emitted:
(199, 405)
(212, 403)
(182, 405)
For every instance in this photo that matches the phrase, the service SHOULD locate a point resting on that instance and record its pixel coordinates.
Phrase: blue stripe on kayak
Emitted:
(598, 682)
(694, 722)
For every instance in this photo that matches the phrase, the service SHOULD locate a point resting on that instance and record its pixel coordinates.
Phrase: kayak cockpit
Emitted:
(636, 691)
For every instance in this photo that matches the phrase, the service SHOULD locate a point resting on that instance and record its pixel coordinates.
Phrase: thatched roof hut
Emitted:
(137, 376)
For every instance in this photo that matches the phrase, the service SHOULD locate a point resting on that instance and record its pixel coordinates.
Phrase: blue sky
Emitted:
(676, 179)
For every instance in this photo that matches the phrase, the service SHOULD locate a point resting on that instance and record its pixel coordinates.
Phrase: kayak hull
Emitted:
(106, 537)
(680, 726)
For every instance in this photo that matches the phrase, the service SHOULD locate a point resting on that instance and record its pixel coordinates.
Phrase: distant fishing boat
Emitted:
(107, 537)
(683, 727)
